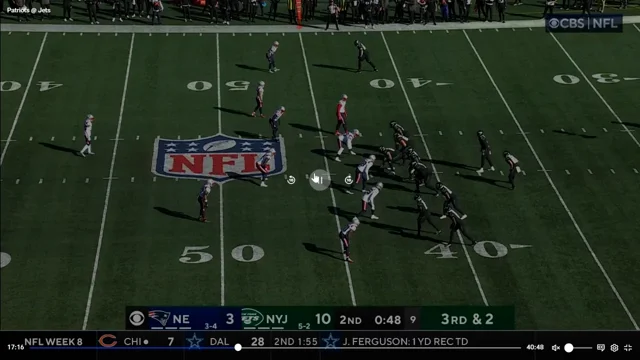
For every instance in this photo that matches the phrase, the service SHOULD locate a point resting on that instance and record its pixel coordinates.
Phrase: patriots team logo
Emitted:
(160, 316)
(219, 157)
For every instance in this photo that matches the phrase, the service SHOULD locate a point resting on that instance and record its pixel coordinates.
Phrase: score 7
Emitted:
(170, 340)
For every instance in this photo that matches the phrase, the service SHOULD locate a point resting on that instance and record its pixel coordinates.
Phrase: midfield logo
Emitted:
(219, 157)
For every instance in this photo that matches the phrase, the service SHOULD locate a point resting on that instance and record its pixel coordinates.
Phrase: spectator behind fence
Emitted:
(156, 10)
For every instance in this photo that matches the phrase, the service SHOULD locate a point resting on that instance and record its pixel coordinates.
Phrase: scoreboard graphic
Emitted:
(257, 333)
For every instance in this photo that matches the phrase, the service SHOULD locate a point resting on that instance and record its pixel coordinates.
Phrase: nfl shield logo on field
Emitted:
(219, 157)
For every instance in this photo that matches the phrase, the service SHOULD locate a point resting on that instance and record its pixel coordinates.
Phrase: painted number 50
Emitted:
(242, 253)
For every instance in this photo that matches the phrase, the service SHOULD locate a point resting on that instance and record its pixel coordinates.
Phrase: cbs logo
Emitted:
(136, 318)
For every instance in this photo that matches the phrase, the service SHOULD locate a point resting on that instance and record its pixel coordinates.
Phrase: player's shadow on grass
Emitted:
(231, 111)
(627, 123)
(340, 187)
(236, 176)
(401, 231)
(403, 209)
(176, 214)
(409, 210)
(334, 67)
(485, 180)
(341, 213)
(324, 153)
(312, 129)
(249, 67)
(372, 149)
(414, 235)
(392, 186)
(381, 173)
(383, 226)
(60, 148)
(452, 164)
(247, 135)
(523, 15)
(322, 251)
(574, 134)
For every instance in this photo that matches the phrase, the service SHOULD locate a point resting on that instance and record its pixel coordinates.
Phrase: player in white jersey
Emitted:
(346, 139)
(362, 173)
(203, 199)
(345, 234)
(367, 200)
(259, 99)
(263, 165)
(341, 114)
(514, 167)
(271, 57)
(274, 122)
(88, 126)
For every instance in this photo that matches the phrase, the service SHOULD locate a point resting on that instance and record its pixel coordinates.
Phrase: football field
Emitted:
(83, 237)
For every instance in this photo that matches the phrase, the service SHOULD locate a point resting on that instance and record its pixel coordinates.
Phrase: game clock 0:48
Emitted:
(387, 320)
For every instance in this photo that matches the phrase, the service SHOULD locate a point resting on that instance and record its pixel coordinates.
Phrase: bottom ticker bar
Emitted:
(257, 345)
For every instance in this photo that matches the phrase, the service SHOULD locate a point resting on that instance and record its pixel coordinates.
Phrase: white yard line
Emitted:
(636, 26)
(594, 89)
(96, 261)
(426, 147)
(326, 165)
(555, 189)
(220, 185)
(24, 98)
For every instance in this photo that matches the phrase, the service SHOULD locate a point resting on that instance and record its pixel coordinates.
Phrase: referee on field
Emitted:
(332, 14)
(363, 55)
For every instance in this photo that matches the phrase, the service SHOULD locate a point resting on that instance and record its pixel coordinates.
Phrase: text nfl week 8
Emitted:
(26, 10)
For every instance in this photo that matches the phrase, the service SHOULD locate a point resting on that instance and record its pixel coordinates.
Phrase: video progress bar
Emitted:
(385, 348)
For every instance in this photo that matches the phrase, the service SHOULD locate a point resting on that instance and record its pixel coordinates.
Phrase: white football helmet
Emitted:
(379, 185)
(261, 83)
(210, 182)
(90, 117)
(344, 97)
(356, 132)
(282, 108)
(355, 221)
(275, 43)
(372, 157)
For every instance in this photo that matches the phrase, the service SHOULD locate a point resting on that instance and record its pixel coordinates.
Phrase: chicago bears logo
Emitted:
(219, 157)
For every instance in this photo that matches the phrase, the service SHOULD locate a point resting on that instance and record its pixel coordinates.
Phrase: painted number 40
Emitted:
(487, 249)
(242, 253)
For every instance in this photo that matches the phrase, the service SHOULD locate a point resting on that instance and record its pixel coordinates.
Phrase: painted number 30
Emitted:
(603, 78)
(242, 253)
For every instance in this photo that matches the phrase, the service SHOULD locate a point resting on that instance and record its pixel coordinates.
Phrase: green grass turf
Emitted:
(172, 15)
(51, 229)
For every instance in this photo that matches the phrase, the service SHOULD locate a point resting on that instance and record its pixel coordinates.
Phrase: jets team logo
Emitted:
(251, 317)
(219, 157)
